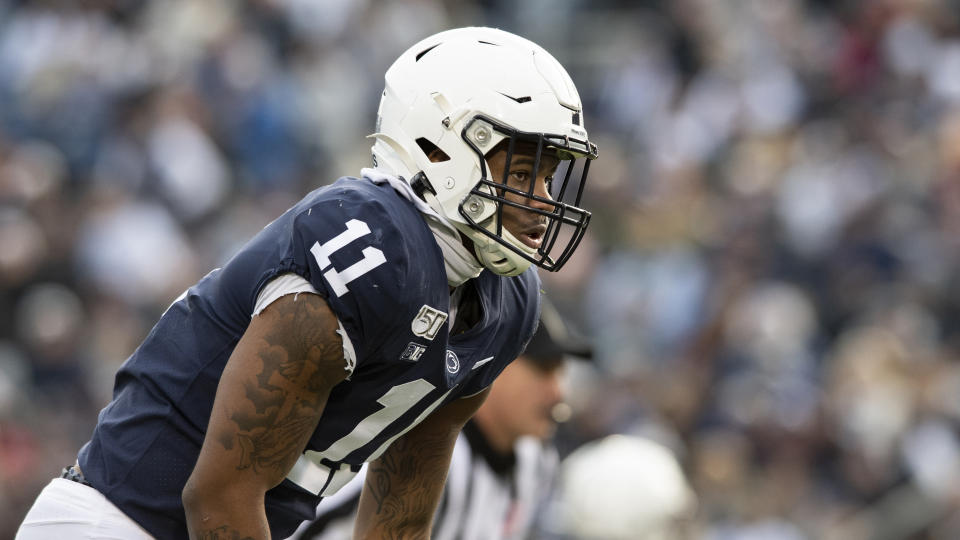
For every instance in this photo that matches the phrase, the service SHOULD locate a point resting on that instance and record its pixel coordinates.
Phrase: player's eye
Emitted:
(520, 176)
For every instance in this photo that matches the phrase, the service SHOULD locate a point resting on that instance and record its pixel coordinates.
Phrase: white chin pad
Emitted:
(498, 258)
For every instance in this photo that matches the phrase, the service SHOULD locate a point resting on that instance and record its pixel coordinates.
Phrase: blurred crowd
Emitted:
(770, 278)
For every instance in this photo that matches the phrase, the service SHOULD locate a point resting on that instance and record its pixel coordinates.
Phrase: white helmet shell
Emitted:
(464, 91)
(623, 488)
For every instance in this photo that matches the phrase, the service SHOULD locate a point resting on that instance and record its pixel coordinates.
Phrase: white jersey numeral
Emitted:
(396, 401)
(312, 474)
(372, 257)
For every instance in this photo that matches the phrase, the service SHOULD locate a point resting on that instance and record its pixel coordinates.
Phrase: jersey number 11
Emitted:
(372, 257)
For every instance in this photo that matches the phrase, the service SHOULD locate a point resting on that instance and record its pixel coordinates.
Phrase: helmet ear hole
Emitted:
(432, 151)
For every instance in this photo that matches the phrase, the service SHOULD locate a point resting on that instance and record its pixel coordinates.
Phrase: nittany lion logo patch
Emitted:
(428, 322)
(452, 362)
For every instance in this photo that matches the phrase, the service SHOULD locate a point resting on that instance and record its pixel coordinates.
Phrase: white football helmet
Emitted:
(623, 487)
(464, 91)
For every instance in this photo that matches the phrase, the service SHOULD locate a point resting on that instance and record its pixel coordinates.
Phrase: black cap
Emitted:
(552, 341)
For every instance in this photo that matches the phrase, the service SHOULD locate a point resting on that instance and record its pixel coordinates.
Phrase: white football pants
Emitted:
(68, 509)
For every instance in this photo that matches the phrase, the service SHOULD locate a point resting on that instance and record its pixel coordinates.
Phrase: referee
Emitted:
(503, 465)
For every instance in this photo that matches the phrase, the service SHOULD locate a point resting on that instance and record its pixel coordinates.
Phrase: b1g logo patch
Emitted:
(428, 322)
(413, 352)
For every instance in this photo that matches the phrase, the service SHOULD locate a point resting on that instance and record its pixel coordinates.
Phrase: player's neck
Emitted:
(499, 439)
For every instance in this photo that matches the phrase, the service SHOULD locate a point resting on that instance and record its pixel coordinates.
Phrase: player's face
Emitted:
(528, 227)
(523, 398)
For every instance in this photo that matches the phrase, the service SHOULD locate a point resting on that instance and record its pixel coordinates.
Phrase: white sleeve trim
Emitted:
(291, 283)
(280, 286)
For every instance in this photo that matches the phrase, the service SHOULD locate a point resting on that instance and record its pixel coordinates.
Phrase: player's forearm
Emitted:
(401, 528)
(221, 515)
(402, 489)
(403, 486)
(387, 510)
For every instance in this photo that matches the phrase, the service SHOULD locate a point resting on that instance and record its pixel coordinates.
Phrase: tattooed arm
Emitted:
(404, 485)
(269, 400)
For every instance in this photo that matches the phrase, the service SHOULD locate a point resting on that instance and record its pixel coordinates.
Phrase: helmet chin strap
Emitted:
(495, 256)
(491, 254)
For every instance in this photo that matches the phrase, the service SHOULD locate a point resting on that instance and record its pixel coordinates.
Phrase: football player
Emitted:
(365, 324)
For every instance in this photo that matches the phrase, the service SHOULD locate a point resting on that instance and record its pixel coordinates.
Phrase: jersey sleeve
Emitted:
(355, 255)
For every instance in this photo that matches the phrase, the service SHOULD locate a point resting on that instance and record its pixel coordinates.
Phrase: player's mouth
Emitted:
(533, 236)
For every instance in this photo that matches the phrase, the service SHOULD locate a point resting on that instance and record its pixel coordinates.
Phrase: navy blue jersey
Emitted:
(370, 253)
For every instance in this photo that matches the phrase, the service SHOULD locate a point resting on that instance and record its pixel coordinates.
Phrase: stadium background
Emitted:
(771, 277)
